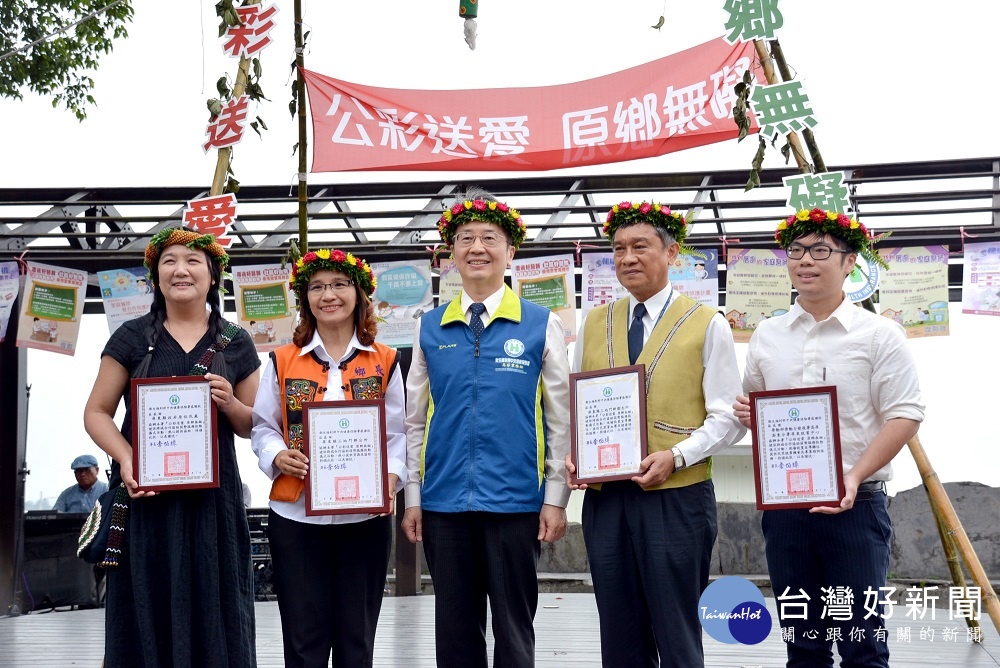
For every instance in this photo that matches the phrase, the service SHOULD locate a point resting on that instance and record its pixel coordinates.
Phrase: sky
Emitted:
(888, 81)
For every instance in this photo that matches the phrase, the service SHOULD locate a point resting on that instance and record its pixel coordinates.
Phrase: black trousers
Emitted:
(329, 579)
(650, 554)
(474, 556)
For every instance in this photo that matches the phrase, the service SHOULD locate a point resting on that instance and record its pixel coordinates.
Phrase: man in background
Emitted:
(81, 497)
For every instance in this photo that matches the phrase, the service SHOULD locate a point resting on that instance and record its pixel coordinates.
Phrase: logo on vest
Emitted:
(513, 348)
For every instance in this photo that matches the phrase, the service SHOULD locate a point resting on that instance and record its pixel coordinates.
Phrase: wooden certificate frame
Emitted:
(622, 393)
(796, 448)
(336, 435)
(175, 434)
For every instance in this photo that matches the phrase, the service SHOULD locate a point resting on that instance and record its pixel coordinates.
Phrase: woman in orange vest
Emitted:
(329, 570)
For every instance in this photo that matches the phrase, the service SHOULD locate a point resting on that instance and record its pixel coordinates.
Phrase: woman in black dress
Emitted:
(183, 592)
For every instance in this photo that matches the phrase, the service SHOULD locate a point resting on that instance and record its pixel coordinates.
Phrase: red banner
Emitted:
(674, 103)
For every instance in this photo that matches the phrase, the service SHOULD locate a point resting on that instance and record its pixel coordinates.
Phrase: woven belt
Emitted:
(868, 489)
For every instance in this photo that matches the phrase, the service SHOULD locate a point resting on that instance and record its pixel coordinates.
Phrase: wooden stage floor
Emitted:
(566, 630)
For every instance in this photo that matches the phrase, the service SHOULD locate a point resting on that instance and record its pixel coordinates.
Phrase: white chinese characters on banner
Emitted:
(127, 294)
(264, 305)
(914, 291)
(51, 308)
(10, 283)
(550, 282)
(981, 279)
(757, 288)
(212, 215)
(403, 295)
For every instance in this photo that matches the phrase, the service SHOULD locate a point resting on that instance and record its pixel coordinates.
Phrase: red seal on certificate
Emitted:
(609, 456)
(800, 481)
(176, 463)
(346, 488)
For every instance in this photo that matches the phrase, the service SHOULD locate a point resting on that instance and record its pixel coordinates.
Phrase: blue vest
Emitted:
(484, 442)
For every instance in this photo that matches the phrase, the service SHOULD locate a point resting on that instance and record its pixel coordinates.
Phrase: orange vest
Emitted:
(302, 378)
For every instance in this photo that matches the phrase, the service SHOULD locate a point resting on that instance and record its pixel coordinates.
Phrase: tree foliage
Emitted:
(58, 65)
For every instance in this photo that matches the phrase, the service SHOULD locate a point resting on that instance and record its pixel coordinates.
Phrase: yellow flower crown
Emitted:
(332, 260)
(819, 221)
(486, 211)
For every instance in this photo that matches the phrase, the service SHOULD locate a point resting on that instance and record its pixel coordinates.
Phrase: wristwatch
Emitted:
(678, 458)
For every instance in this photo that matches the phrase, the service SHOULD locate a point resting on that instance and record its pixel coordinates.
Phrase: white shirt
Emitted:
(720, 383)
(268, 435)
(555, 403)
(863, 354)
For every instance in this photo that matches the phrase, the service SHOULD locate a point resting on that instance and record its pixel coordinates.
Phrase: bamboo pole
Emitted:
(807, 134)
(953, 528)
(226, 154)
(793, 138)
(950, 555)
(301, 98)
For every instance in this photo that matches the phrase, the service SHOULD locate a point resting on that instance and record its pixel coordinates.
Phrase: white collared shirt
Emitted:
(863, 354)
(720, 383)
(555, 403)
(268, 435)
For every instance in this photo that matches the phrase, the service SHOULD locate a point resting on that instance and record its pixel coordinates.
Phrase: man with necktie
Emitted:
(649, 539)
(487, 435)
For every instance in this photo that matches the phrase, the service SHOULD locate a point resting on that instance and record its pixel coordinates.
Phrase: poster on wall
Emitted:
(10, 283)
(127, 294)
(697, 277)
(402, 295)
(51, 308)
(757, 288)
(981, 279)
(599, 282)
(264, 305)
(548, 281)
(914, 290)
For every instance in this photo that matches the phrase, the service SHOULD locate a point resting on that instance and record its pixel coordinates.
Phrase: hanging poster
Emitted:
(450, 282)
(403, 295)
(51, 308)
(914, 290)
(981, 279)
(548, 281)
(599, 282)
(127, 294)
(757, 288)
(264, 305)
(697, 277)
(10, 283)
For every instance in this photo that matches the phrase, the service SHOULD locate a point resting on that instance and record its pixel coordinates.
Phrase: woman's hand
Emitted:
(130, 481)
(222, 392)
(292, 462)
(393, 483)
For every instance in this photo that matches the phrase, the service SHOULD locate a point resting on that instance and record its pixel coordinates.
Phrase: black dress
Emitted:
(183, 593)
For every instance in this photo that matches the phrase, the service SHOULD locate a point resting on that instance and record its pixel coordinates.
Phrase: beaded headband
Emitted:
(484, 211)
(175, 235)
(818, 221)
(332, 260)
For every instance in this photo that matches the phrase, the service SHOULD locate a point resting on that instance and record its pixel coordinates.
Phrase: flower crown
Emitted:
(332, 260)
(485, 211)
(655, 214)
(819, 221)
(176, 235)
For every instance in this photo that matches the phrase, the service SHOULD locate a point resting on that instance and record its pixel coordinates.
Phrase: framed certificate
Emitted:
(607, 423)
(174, 434)
(348, 465)
(796, 448)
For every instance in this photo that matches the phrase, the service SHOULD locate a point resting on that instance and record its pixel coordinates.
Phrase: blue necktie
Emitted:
(477, 321)
(635, 333)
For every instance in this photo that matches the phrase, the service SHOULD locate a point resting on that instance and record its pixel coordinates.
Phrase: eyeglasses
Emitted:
(489, 239)
(796, 252)
(337, 286)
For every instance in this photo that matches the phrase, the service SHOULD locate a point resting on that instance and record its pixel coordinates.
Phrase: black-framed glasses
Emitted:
(489, 239)
(818, 252)
(336, 286)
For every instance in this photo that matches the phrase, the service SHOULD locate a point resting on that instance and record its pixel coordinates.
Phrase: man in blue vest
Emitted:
(487, 435)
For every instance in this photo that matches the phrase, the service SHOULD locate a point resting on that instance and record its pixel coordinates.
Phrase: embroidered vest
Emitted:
(675, 403)
(303, 378)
